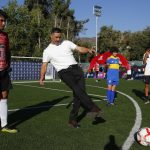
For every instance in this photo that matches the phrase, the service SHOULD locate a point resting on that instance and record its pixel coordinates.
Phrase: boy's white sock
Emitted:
(3, 112)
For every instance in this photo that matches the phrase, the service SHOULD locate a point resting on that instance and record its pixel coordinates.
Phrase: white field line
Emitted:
(49, 81)
(138, 120)
(57, 105)
(137, 124)
(130, 139)
(40, 87)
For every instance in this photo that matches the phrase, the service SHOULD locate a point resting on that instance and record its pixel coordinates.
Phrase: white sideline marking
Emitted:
(11, 110)
(130, 139)
(49, 81)
(57, 105)
(54, 89)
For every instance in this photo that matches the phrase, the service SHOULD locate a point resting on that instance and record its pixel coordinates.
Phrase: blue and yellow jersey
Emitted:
(113, 62)
(113, 69)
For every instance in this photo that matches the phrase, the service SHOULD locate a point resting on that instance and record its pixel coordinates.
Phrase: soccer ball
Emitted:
(143, 136)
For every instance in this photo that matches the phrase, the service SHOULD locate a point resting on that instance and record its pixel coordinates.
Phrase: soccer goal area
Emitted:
(28, 68)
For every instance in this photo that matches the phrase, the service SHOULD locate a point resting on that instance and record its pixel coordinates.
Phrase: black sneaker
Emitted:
(146, 100)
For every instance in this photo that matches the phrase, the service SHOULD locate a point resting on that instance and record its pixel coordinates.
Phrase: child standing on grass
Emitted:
(5, 82)
(146, 62)
(113, 63)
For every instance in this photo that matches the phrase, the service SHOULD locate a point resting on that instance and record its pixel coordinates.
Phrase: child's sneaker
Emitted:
(146, 102)
(8, 130)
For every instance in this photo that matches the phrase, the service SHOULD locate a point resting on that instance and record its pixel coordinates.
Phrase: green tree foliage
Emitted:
(44, 5)
(83, 57)
(131, 45)
(146, 32)
(63, 17)
(138, 45)
(26, 30)
(29, 25)
(108, 38)
(17, 29)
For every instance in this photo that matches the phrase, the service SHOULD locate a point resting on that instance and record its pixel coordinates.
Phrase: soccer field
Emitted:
(41, 115)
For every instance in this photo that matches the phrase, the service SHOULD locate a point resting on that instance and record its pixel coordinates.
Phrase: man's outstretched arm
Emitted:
(84, 50)
(43, 72)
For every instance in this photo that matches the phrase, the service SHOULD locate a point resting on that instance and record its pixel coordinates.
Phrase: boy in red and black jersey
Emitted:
(5, 82)
(4, 51)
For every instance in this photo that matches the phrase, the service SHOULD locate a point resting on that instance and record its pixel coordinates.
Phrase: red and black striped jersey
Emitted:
(4, 51)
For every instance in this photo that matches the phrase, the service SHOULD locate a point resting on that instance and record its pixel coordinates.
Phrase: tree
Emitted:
(63, 17)
(108, 38)
(131, 45)
(44, 5)
(30, 24)
(138, 43)
(17, 29)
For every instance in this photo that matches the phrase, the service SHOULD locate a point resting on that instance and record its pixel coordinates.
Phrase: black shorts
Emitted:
(146, 79)
(5, 82)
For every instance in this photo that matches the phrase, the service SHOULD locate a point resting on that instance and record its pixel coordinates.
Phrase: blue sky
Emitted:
(123, 15)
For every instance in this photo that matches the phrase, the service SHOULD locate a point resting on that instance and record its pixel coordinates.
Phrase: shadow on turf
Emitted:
(96, 121)
(135, 137)
(111, 145)
(139, 94)
(26, 113)
(97, 98)
(92, 97)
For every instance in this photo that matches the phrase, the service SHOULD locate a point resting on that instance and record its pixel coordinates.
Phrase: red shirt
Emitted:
(4, 51)
(96, 67)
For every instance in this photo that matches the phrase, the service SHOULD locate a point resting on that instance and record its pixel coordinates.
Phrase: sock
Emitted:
(109, 96)
(3, 112)
(112, 96)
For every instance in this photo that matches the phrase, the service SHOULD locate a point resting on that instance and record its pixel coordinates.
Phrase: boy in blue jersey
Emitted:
(113, 62)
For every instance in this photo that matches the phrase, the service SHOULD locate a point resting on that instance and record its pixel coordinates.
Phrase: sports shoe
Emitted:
(146, 99)
(73, 124)
(110, 104)
(8, 130)
(147, 102)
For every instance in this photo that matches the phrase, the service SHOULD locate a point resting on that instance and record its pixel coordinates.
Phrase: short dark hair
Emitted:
(2, 13)
(56, 30)
(114, 49)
